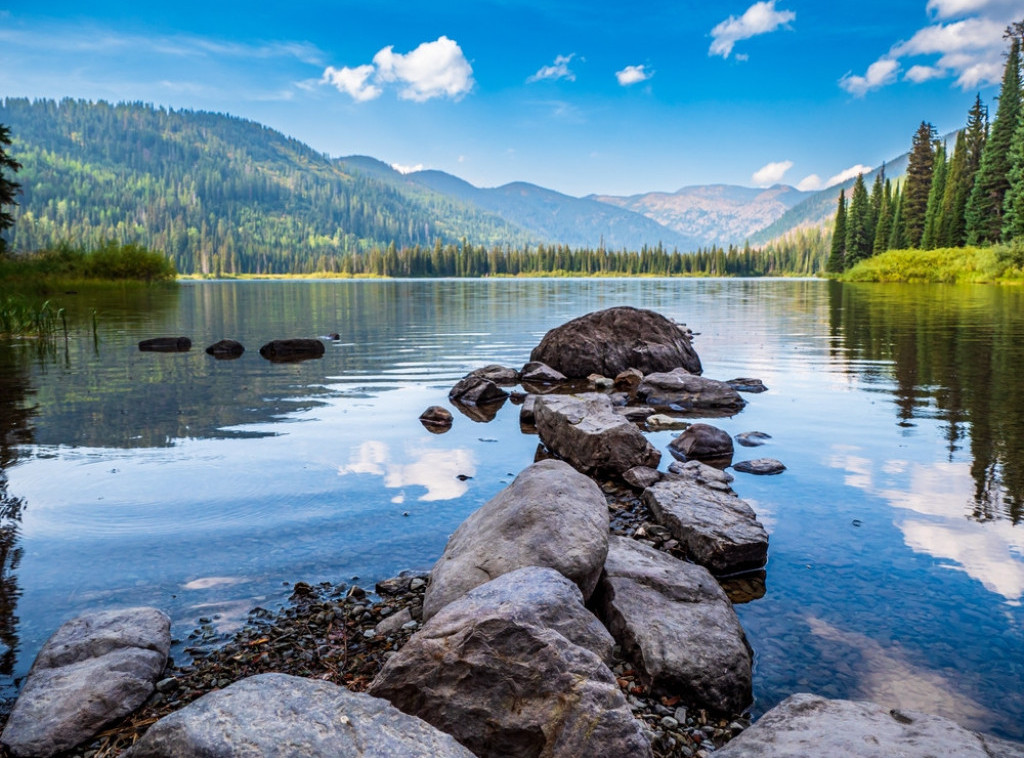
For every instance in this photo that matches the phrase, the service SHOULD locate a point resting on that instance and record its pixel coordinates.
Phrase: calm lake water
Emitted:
(204, 487)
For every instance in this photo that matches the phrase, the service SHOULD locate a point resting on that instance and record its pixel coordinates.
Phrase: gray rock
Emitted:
(664, 421)
(226, 349)
(601, 382)
(94, 669)
(808, 725)
(702, 473)
(399, 584)
(437, 416)
(475, 390)
(585, 431)
(279, 716)
(677, 625)
(634, 413)
(702, 442)
(716, 528)
(763, 466)
(611, 341)
(549, 516)
(684, 390)
(393, 623)
(503, 685)
(527, 411)
(292, 350)
(752, 439)
(745, 384)
(642, 477)
(497, 374)
(536, 372)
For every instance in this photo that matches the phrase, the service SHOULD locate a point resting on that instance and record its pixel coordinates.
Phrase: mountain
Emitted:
(717, 214)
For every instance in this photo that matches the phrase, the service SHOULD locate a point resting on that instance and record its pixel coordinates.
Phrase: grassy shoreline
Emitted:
(1000, 264)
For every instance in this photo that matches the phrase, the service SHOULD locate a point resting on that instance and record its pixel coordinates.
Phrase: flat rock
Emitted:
(752, 439)
(585, 431)
(664, 421)
(704, 474)
(95, 669)
(681, 389)
(292, 350)
(634, 413)
(550, 515)
(701, 442)
(715, 527)
(642, 477)
(809, 725)
(536, 372)
(611, 341)
(226, 349)
(476, 390)
(762, 466)
(676, 624)
(278, 716)
(527, 411)
(166, 345)
(746, 384)
(393, 623)
(502, 375)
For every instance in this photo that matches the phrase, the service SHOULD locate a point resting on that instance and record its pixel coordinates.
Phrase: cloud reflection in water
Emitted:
(437, 471)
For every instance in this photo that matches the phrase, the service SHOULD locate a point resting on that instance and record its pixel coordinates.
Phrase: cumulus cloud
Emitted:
(633, 75)
(759, 18)
(771, 173)
(810, 183)
(879, 74)
(434, 69)
(813, 182)
(919, 74)
(557, 70)
(403, 169)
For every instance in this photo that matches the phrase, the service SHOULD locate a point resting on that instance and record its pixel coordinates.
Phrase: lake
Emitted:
(205, 487)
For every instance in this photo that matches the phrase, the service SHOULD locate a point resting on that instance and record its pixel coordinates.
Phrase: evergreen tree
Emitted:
(918, 186)
(984, 215)
(859, 235)
(1013, 205)
(8, 187)
(837, 258)
(884, 226)
(954, 197)
(933, 212)
(875, 199)
(897, 239)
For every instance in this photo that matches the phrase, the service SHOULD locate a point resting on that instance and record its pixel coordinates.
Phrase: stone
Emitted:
(536, 372)
(635, 413)
(745, 384)
(292, 350)
(277, 715)
(585, 431)
(393, 623)
(550, 515)
(497, 374)
(397, 585)
(95, 669)
(166, 345)
(642, 477)
(527, 411)
(806, 725)
(752, 439)
(226, 349)
(435, 415)
(475, 390)
(762, 466)
(611, 341)
(664, 421)
(601, 382)
(628, 379)
(703, 474)
(716, 528)
(702, 442)
(491, 673)
(677, 625)
(685, 391)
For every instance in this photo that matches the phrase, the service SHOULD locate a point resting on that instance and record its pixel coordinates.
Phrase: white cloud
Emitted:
(810, 183)
(759, 18)
(434, 69)
(771, 173)
(919, 74)
(402, 169)
(849, 173)
(436, 471)
(880, 73)
(558, 70)
(954, 8)
(633, 75)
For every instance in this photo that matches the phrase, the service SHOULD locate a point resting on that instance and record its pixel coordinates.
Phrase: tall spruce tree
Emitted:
(875, 199)
(984, 215)
(859, 234)
(8, 187)
(954, 197)
(919, 183)
(1013, 204)
(837, 257)
(933, 213)
(884, 226)
(897, 239)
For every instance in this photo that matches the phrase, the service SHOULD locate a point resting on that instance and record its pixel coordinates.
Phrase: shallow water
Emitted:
(204, 487)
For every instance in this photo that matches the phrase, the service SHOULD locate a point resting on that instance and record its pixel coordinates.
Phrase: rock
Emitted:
(745, 384)
(482, 414)
(642, 477)
(601, 382)
(527, 411)
(436, 416)
(491, 673)
(288, 351)
(497, 374)
(760, 466)
(628, 379)
(475, 390)
(536, 372)
(585, 431)
(166, 345)
(282, 715)
(610, 341)
(226, 349)
(517, 397)
(677, 625)
(549, 516)
(393, 623)
(94, 669)
(683, 390)
(716, 528)
(752, 439)
(702, 441)
(634, 413)
(805, 725)
(703, 474)
(664, 421)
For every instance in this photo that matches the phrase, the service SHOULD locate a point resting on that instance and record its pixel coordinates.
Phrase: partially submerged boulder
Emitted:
(611, 341)
(676, 624)
(292, 350)
(502, 375)
(761, 466)
(752, 439)
(166, 345)
(226, 349)
(95, 669)
(282, 715)
(585, 431)
(436, 419)
(702, 442)
(476, 390)
(682, 390)
(550, 515)
(536, 372)
(747, 384)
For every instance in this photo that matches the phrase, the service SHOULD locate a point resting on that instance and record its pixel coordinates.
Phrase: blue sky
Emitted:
(583, 97)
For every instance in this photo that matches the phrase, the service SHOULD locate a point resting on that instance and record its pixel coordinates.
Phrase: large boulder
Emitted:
(676, 624)
(292, 350)
(94, 669)
(497, 373)
(226, 349)
(702, 442)
(503, 681)
(809, 725)
(685, 391)
(715, 527)
(550, 516)
(585, 431)
(278, 716)
(610, 341)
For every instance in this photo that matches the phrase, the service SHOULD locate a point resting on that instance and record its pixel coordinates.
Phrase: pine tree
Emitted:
(919, 182)
(933, 212)
(984, 213)
(875, 199)
(897, 239)
(859, 235)
(8, 187)
(837, 258)
(884, 226)
(1013, 205)
(954, 197)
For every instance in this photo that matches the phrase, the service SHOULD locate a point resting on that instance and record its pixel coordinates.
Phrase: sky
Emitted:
(581, 96)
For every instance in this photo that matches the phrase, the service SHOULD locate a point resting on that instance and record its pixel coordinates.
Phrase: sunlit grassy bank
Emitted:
(962, 265)
(65, 264)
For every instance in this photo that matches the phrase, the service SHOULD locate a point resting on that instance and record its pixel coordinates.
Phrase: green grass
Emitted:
(964, 265)
(22, 316)
(111, 262)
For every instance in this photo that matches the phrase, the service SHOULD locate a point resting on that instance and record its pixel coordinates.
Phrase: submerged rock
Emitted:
(752, 439)
(745, 384)
(226, 349)
(292, 350)
(497, 374)
(166, 345)
(436, 419)
(476, 390)
(761, 466)
(536, 372)
(686, 391)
